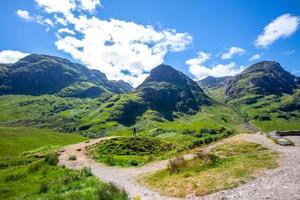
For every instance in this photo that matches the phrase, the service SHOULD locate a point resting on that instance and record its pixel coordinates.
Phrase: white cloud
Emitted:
(255, 57)
(89, 5)
(60, 20)
(122, 50)
(24, 14)
(281, 27)
(199, 60)
(198, 68)
(231, 52)
(66, 30)
(57, 6)
(9, 56)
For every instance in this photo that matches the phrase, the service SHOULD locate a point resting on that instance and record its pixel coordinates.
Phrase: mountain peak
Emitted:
(167, 90)
(266, 77)
(38, 74)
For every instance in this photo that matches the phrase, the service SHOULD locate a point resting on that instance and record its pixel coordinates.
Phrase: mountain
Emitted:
(212, 82)
(168, 90)
(264, 78)
(43, 74)
(266, 95)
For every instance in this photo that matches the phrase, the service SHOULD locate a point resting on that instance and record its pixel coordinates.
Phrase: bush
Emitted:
(176, 164)
(33, 167)
(110, 160)
(263, 117)
(208, 158)
(43, 188)
(111, 192)
(86, 171)
(210, 131)
(156, 131)
(133, 163)
(133, 146)
(14, 177)
(52, 159)
(188, 131)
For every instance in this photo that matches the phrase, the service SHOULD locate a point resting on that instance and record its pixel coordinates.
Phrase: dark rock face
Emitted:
(212, 82)
(42, 74)
(263, 78)
(167, 90)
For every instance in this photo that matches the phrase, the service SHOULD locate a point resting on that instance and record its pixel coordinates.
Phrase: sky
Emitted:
(125, 39)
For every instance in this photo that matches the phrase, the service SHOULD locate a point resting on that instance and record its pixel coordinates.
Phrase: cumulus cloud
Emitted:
(89, 5)
(232, 51)
(255, 57)
(57, 6)
(198, 68)
(9, 56)
(123, 50)
(66, 30)
(67, 6)
(24, 14)
(281, 27)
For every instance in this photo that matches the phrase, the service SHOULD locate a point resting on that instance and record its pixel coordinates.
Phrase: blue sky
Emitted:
(126, 39)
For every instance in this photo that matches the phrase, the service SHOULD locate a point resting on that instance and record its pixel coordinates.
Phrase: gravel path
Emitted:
(280, 183)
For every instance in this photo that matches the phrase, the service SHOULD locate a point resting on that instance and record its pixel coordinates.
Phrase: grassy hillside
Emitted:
(15, 141)
(272, 112)
(28, 168)
(227, 166)
(108, 115)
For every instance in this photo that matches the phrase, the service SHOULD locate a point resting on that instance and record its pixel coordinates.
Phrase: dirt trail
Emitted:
(280, 183)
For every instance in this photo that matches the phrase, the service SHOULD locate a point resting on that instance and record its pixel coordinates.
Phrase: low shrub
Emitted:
(133, 146)
(156, 131)
(51, 159)
(188, 131)
(35, 166)
(176, 164)
(15, 177)
(111, 192)
(263, 117)
(43, 188)
(133, 163)
(110, 160)
(86, 171)
(208, 158)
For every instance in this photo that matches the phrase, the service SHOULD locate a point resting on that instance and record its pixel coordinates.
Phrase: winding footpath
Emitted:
(282, 183)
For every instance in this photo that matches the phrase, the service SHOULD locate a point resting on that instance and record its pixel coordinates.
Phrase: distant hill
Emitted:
(264, 78)
(42, 74)
(167, 90)
(212, 82)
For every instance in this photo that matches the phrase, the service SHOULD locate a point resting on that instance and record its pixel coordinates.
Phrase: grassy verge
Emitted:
(229, 165)
(28, 169)
(42, 179)
(130, 151)
(15, 141)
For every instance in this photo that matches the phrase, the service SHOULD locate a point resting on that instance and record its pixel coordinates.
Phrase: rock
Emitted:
(284, 142)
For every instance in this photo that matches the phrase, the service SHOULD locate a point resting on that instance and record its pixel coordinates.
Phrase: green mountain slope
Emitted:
(180, 104)
(265, 94)
(168, 90)
(42, 74)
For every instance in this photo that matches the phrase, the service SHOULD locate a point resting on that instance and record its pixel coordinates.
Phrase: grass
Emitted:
(48, 181)
(130, 151)
(103, 116)
(272, 112)
(15, 141)
(28, 168)
(233, 163)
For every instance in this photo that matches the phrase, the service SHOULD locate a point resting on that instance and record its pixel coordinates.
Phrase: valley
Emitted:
(69, 123)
